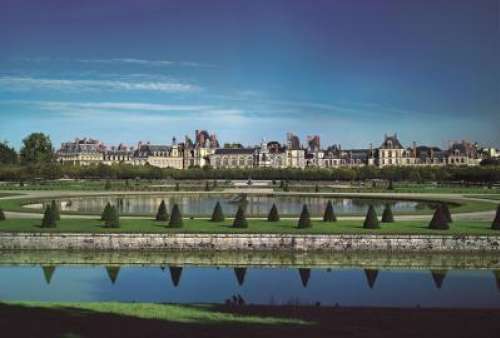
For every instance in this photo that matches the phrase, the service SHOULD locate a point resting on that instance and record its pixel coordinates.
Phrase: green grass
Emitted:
(256, 226)
(205, 314)
(488, 197)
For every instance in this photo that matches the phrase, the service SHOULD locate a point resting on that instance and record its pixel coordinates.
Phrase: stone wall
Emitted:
(252, 242)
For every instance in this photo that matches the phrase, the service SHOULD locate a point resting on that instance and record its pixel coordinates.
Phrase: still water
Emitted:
(202, 205)
(345, 286)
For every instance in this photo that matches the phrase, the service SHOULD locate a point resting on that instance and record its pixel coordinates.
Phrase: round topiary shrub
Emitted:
(387, 216)
(217, 214)
(175, 218)
(2, 215)
(304, 219)
(329, 215)
(273, 214)
(371, 220)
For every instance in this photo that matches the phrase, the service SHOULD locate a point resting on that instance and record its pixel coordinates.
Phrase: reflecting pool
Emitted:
(256, 205)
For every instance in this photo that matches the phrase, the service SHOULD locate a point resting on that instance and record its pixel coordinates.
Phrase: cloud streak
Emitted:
(13, 83)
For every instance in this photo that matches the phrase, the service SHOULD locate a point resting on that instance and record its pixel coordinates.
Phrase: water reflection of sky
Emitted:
(202, 205)
(346, 287)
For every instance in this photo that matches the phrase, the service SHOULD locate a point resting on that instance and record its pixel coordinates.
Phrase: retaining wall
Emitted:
(248, 242)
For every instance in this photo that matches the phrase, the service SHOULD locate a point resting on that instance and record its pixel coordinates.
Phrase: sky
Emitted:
(349, 71)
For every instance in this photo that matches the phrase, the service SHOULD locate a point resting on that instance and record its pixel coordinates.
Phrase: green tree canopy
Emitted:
(37, 149)
(8, 155)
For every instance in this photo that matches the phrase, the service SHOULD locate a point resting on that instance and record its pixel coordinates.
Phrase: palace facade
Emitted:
(205, 150)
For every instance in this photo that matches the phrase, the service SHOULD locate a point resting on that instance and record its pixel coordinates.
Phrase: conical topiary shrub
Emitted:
(438, 277)
(387, 216)
(48, 220)
(439, 221)
(175, 274)
(217, 214)
(496, 222)
(371, 277)
(273, 214)
(106, 211)
(240, 275)
(371, 220)
(162, 214)
(48, 272)
(113, 272)
(2, 215)
(329, 215)
(175, 217)
(240, 220)
(305, 275)
(447, 213)
(55, 210)
(304, 219)
(112, 218)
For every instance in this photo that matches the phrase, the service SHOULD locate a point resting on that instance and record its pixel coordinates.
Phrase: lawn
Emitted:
(256, 226)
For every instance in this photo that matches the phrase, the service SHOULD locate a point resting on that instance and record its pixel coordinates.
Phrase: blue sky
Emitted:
(349, 71)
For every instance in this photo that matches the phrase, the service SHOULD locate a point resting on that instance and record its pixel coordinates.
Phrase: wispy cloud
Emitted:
(12, 83)
(145, 62)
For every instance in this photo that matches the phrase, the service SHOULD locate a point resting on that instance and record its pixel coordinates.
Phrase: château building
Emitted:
(205, 150)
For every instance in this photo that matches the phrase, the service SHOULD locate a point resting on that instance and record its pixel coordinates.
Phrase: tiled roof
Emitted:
(234, 151)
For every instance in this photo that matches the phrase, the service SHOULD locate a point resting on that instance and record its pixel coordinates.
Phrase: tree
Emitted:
(55, 210)
(273, 214)
(390, 186)
(371, 220)
(162, 214)
(48, 220)
(316, 188)
(177, 187)
(439, 220)
(37, 149)
(2, 215)
(107, 185)
(496, 222)
(8, 155)
(329, 215)
(285, 187)
(304, 219)
(175, 217)
(217, 215)
(387, 216)
(447, 213)
(207, 186)
(106, 211)
(113, 218)
(240, 220)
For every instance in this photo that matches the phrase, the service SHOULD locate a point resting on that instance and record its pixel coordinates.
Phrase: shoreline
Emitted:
(249, 242)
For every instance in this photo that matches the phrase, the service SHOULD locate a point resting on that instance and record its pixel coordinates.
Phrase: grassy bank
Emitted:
(49, 320)
(256, 226)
